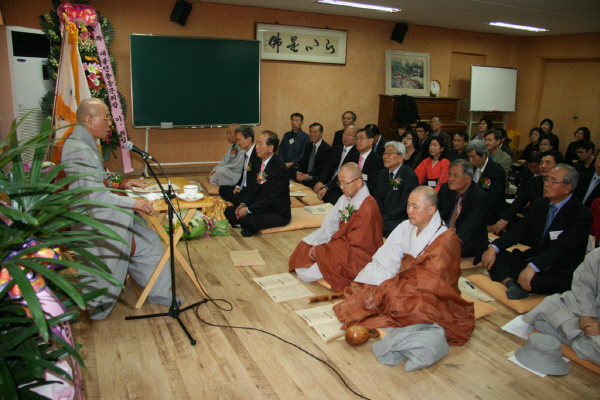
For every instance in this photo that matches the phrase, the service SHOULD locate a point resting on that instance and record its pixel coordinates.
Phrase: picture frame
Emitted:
(406, 73)
(302, 44)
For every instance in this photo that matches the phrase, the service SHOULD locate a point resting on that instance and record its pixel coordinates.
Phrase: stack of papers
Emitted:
(319, 209)
(283, 287)
(154, 188)
(518, 327)
(467, 287)
(323, 320)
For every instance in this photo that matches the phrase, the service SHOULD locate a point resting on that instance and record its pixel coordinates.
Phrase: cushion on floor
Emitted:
(295, 203)
(498, 290)
(482, 309)
(301, 219)
(210, 188)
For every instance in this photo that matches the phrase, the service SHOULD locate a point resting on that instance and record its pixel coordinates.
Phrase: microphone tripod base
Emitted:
(174, 312)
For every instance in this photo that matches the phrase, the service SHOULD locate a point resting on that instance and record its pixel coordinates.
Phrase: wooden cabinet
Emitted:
(444, 107)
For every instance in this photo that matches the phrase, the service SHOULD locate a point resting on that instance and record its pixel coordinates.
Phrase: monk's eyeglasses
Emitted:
(344, 184)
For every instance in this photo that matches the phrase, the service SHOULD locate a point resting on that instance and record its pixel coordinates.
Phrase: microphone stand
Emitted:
(174, 310)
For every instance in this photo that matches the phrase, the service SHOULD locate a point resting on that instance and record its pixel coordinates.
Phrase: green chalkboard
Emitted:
(194, 81)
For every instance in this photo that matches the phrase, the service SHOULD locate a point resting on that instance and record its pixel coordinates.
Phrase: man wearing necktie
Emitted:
(316, 155)
(369, 163)
(394, 184)
(463, 206)
(245, 141)
(558, 225)
(265, 203)
(339, 156)
(534, 189)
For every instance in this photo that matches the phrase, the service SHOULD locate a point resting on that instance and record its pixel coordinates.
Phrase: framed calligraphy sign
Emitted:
(406, 73)
(297, 43)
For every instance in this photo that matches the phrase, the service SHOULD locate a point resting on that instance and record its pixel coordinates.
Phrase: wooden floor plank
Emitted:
(153, 359)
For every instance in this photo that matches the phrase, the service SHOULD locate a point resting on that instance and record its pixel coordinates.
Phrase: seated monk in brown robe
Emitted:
(425, 290)
(350, 234)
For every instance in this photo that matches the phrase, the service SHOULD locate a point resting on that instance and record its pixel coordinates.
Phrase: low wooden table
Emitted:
(160, 211)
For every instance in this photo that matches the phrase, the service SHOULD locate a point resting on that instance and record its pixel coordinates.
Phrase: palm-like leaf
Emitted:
(41, 209)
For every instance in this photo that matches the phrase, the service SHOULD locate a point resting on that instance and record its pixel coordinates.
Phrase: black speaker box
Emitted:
(399, 32)
(181, 12)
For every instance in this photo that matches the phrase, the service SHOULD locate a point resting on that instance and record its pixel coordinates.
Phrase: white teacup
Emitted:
(190, 191)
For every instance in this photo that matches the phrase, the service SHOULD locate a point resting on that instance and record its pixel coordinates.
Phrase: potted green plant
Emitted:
(34, 225)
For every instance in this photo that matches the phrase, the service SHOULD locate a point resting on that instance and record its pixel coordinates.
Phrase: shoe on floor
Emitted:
(248, 232)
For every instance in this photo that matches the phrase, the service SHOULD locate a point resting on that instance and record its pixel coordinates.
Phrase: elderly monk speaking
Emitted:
(413, 278)
(349, 236)
(81, 154)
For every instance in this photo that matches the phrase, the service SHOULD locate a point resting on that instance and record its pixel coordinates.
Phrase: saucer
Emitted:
(183, 197)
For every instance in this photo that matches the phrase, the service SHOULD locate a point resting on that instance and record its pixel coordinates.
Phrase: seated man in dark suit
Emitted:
(369, 163)
(423, 128)
(490, 177)
(533, 190)
(395, 182)
(585, 153)
(266, 201)
(378, 140)
(436, 128)
(316, 156)
(463, 205)
(588, 189)
(459, 142)
(558, 225)
(245, 141)
(348, 118)
(531, 169)
(339, 156)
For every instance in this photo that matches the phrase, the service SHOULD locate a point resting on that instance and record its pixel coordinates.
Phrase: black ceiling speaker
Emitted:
(181, 12)
(399, 32)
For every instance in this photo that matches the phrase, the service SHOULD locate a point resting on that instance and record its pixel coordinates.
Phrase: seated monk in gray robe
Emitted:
(573, 316)
(425, 290)
(349, 236)
(81, 155)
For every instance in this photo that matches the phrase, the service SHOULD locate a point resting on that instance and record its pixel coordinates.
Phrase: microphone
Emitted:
(132, 147)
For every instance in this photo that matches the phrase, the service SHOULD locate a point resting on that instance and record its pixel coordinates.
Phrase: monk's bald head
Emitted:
(350, 179)
(91, 108)
(429, 195)
(421, 206)
(351, 170)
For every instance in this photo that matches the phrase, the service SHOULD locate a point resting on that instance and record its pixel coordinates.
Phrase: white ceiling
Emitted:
(561, 17)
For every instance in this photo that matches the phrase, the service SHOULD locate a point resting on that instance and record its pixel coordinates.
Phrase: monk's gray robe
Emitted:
(562, 311)
(81, 148)
(229, 170)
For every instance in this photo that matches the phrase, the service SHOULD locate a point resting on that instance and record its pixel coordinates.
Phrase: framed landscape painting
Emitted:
(406, 73)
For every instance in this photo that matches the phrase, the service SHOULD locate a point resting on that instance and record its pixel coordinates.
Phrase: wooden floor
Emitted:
(153, 359)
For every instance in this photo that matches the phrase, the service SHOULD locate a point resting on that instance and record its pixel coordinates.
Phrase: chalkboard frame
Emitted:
(173, 94)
